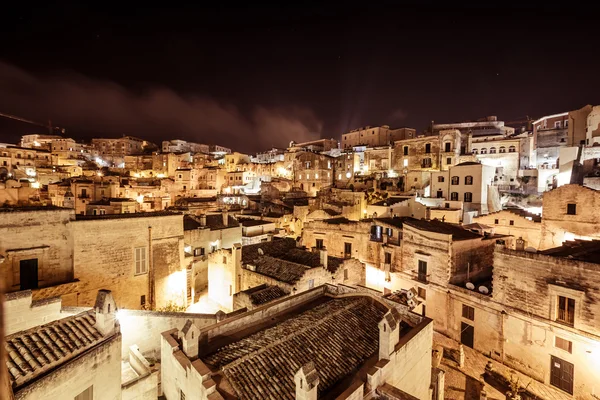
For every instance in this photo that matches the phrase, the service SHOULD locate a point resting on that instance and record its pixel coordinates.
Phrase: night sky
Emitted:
(260, 76)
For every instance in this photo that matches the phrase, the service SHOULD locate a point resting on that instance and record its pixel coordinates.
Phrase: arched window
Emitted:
(483, 150)
(502, 149)
(492, 150)
(474, 151)
(512, 149)
(468, 197)
(455, 180)
(454, 196)
(468, 180)
(440, 179)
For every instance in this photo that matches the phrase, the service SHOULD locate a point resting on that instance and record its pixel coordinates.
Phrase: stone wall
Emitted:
(21, 312)
(42, 234)
(104, 258)
(143, 328)
(99, 368)
(521, 227)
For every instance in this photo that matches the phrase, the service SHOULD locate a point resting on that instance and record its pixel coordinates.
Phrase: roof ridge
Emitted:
(282, 339)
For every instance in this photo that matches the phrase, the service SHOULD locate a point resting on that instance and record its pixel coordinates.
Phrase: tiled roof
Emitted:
(36, 351)
(285, 249)
(266, 294)
(581, 250)
(436, 226)
(338, 336)
(283, 271)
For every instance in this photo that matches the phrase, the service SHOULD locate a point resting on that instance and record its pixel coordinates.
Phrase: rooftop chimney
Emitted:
(323, 256)
(225, 218)
(389, 334)
(106, 310)
(189, 339)
(307, 381)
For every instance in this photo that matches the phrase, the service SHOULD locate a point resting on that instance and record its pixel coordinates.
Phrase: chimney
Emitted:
(389, 334)
(106, 313)
(225, 218)
(189, 339)
(307, 381)
(202, 219)
(323, 256)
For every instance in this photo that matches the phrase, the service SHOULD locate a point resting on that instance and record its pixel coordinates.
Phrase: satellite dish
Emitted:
(260, 251)
(470, 286)
(483, 289)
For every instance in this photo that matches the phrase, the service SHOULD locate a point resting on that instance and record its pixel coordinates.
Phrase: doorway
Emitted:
(29, 274)
(561, 374)
(467, 334)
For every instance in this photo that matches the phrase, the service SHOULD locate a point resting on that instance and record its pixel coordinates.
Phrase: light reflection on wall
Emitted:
(375, 278)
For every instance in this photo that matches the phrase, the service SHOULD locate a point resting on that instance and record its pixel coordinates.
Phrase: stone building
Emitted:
(550, 133)
(112, 152)
(77, 357)
(204, 234)
(280, 263)
(182, 146)
(324, 336)
(312, 171)
(257, 231)
(569, 212)
(524, 228)
(375, 136)
(504, 154)
(257, 296)
(482, 127)
(37, 247)
(468, 182)
(592, 135)
(140, 257)
(110, 206)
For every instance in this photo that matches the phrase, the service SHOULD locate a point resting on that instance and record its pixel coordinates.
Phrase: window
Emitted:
(422, 293)
(512, 149)
(422, 273)
(468, 180)
(511, 222)
(566, 123)
(428, 148)
(179, 176)
(572, 209)
(346, 274)
(557, 124)
(141, 266)
(474, 151)
(440, 179)
(496, 221)
(199, 251)
(454, 196)
(347, 249)
(563, 344)
(87, 394)
(484, 151)
(311, 283)
(405, 150)
(447, 147)
(143, 300)
(388, 258)
(426, 163)
(449, 160)
(492, 150)
(468, 312)
(566, 310)
(224, 260)
(455, 180)
(468, 197)
(502, 149)
(319, 243)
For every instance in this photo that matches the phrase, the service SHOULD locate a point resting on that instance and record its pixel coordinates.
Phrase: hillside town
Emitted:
(381, 263)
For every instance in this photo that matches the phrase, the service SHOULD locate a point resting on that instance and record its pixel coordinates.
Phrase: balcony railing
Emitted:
(393, 240)
(421, 277)
(375, 238)
(83, 196)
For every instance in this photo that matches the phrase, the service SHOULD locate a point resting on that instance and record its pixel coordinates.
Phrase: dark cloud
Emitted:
(87, 106)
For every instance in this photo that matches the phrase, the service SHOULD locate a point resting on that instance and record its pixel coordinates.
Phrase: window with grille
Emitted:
(141, 260)
(468, 312)
(566, 310)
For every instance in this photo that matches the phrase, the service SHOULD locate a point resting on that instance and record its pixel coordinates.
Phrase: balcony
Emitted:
(393, 240)
(375, 238)
(83, 196)
(423, 278)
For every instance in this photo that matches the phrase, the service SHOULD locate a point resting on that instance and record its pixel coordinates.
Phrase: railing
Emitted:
(83, 196)
(375, 238)
(393, 240)
(421, 277)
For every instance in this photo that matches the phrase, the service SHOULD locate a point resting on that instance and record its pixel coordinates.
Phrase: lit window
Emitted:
(141, 266)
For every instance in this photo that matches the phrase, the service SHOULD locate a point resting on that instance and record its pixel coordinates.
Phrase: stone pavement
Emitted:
(466, 383)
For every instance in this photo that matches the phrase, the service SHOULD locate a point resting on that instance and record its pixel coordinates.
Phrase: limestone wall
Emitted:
(21, 313)
(104, 258)
(99, 368)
